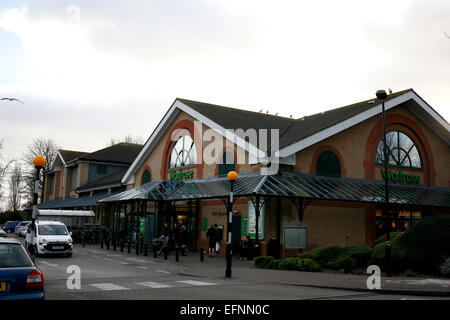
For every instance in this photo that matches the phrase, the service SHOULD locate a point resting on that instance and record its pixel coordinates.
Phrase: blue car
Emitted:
(10, 226)
(20, 279)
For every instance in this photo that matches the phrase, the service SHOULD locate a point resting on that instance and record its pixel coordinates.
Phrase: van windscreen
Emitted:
(51, 229)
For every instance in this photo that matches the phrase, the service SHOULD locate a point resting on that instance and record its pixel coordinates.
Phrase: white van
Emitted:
(51, 237)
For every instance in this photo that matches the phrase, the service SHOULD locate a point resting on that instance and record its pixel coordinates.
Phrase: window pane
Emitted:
(415, 158)
(183, 153)
(405, 142)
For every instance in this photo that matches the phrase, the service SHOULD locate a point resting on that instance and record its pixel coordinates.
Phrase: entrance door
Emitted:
(236, 234)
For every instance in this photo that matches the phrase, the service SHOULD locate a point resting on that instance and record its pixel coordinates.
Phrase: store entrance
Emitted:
(400, 219)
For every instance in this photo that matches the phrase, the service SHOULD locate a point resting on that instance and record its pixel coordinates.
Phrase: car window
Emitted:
(53, 230)
(13, 255)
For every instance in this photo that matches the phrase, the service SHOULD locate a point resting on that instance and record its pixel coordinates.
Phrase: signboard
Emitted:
(204, 224)
(181, 175)
(399, 176)
(142, 226)
(251, 220)
(244, 224)
(295, 235)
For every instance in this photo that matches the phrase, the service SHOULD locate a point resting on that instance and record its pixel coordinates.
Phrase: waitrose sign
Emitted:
(400, 177)
(181, 175)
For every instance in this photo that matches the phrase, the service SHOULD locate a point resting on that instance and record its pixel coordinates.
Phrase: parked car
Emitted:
(20, 278)
(51, 237)
(24, 229)
(20, 226)
(10, 226)
(3, 234)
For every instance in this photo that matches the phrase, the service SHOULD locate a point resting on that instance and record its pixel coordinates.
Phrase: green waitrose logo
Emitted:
(181, 175)
(400, 177)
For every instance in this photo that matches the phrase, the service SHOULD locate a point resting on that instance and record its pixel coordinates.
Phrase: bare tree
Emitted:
(16, 184)
(3, 169)
(42, 147)
(128, 138)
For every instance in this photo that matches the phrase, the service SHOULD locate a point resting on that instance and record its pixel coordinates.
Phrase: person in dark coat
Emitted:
(213, 237)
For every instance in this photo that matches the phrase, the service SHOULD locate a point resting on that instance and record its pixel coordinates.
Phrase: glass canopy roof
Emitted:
(288, 185)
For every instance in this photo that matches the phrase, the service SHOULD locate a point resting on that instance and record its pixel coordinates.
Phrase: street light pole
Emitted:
(39, 163)
(232, 176)
(381, 94)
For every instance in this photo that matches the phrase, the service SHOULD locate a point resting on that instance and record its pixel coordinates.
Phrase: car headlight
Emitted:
(43, 241)
(70, 241)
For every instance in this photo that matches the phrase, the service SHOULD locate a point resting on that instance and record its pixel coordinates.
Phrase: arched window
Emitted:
(146, 176)
(402, 151)
(328, 164)
(226, 164)
(183, 153)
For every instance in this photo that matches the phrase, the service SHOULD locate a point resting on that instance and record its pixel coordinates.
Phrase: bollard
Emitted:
(121, 245)
(155, 248)
(177, 254)
(141, 243)
(201, 252)
(101, 242)
(114, 244)
(145, 248)
(137, 246)
(129, 246)
(107, 243)
(82, 239)
(166, 251)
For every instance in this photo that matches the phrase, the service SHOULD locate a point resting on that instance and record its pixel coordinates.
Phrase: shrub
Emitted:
(263, 261)
(308, 265)
(394, 236)
(426, 244)
(398, 260)
(289, 264)
(351, 258)
(324, 254)
(274, 264)
(445, 268)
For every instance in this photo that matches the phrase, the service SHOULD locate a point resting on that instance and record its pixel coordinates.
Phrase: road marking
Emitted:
(108, 286)
(49, 264)
(135, 260)
(154, 285)
(196, 283)
(123, 262)
(83, 253)
(141, 267)
(107, 259)
(162, 271)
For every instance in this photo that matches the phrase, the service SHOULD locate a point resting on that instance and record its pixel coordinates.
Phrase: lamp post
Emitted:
(39, 163)
(232, 176)
(381, 94)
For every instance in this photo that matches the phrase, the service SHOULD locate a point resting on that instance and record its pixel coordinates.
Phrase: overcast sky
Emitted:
(88, 71)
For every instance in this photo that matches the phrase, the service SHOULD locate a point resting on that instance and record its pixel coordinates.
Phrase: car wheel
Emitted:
(69, 255)
(36, 253)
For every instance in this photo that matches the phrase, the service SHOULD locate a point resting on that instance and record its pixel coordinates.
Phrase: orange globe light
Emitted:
(232, 175)
(39, 161)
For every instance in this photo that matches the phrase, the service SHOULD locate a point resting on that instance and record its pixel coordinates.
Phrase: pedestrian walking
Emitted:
(213, 236)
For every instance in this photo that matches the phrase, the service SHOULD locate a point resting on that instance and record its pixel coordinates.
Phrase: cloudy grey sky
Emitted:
(91, 70)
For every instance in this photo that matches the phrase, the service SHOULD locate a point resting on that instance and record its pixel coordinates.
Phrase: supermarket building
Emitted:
(328, 173)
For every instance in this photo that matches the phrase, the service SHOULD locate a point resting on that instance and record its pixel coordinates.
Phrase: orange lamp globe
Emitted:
(232, 175)
(39, 161)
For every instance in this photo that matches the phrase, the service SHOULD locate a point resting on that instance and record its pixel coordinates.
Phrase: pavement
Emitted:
(214, 268)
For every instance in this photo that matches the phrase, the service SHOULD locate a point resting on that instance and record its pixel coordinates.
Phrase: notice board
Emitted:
(295, 235)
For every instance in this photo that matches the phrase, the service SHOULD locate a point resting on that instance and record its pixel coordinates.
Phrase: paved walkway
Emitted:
(246, 271)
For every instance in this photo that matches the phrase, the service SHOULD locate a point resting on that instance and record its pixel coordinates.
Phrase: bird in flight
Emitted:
(11, 99)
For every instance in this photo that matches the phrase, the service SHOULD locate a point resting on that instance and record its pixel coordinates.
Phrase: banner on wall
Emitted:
(251, 222)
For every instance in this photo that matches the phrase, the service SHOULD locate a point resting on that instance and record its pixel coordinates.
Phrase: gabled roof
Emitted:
(111, 180)
(121, 153)
(68, 155)
(295, 134)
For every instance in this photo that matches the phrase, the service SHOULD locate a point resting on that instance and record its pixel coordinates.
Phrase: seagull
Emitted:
(276, 113)
(390, 91)
(11, 99)
(267, 111)
(261, 110)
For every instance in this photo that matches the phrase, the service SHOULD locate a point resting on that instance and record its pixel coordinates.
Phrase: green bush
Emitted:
(351, 258)
(289, 264)
(308, 265)
(426, 244)
(263, 261)
(394, 237)
(324, 254)
(398, 260)
(274, 264)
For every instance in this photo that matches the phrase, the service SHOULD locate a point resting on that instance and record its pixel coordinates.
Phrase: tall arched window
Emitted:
(328, 164)
(226, 164)
(146, 176)
(183, 153)
(402, 151)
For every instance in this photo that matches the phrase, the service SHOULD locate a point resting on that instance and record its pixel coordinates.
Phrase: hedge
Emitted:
(351, 258)
(394, 236)
(324, 254)
(287, 264)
